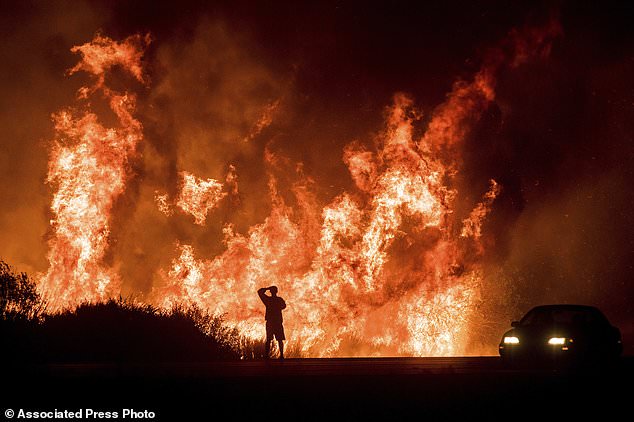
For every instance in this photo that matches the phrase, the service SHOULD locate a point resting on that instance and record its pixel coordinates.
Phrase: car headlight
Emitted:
(558, 341)
(511, 340)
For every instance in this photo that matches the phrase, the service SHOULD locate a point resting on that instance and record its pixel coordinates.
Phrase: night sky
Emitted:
(559, 136)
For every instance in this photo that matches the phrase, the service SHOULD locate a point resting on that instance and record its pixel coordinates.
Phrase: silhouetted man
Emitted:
(274, 328)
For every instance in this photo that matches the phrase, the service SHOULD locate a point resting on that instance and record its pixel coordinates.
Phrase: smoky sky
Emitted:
(558, 137)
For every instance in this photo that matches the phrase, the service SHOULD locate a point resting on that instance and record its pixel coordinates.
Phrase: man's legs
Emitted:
(267, 347)
(280, 343)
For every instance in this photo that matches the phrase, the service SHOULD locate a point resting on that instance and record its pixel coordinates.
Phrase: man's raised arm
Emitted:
(263, 297)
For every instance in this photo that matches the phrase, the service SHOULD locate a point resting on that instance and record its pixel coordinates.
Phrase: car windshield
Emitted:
(563, 316)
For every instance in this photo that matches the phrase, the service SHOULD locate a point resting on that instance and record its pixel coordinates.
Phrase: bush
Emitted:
(113, 331)
(19, 298)
(120, 331)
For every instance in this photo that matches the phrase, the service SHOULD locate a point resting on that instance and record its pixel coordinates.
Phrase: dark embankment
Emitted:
(121, 332)
(117, 331)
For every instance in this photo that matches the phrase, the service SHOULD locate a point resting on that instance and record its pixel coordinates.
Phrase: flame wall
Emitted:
(414, 219)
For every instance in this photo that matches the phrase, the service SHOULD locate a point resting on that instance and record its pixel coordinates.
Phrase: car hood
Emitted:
(556, 330)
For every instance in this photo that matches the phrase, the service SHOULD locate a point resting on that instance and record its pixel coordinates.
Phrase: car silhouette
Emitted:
(561, 333)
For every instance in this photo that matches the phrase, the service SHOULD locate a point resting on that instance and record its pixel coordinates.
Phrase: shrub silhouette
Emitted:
(19, 298)
(116, 331)
(20, 311)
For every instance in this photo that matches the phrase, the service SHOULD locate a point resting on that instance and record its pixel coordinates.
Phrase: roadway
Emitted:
(318, 389)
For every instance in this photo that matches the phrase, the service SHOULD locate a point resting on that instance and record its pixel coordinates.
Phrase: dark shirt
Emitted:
(274, 306)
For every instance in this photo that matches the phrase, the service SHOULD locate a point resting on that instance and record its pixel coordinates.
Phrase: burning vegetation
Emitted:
(386, 268)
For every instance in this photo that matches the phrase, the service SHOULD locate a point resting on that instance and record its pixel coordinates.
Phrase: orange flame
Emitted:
(163, 203)
(472, 226)
(199, 196)
(88, 167)
(265, 120)
(343, 287)
(382, 270)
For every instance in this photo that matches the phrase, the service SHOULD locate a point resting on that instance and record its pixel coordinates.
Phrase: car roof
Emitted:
(565, 306)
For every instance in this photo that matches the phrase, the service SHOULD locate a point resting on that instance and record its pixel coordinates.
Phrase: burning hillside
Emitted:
(388, 267)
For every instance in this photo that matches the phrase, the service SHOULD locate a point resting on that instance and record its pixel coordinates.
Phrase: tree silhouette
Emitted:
(19, 298)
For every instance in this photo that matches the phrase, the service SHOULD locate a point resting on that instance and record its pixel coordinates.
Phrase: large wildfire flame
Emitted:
(88, 165)
(386, 269)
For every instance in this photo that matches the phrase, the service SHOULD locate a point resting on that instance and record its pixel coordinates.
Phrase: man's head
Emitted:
(273, 290)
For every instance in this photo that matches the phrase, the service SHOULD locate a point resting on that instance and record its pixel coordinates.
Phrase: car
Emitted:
(561, 333)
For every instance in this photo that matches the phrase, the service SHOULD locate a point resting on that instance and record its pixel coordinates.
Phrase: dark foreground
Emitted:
(327, 389)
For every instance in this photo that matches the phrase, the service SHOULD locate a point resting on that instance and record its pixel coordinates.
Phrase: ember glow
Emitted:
(387, 268)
